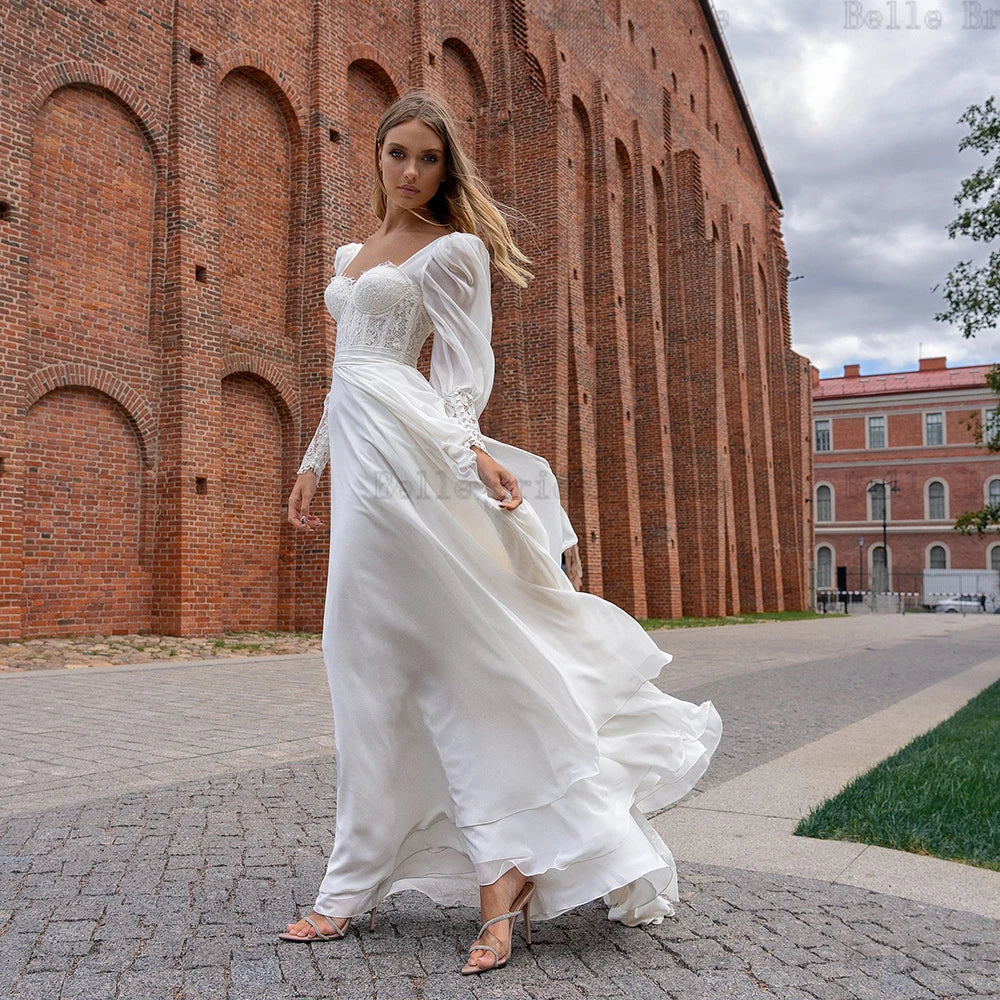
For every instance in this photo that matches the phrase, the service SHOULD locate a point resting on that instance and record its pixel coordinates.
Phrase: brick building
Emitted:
(177, 178)
(900, 449)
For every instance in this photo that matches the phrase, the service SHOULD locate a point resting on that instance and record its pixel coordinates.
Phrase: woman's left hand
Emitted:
(501, 483)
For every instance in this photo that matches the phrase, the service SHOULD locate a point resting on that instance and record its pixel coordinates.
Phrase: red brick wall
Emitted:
(178, 180)
(84, 568)
(252, 493)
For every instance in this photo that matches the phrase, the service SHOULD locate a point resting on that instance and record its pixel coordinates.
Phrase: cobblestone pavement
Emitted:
(175, 889)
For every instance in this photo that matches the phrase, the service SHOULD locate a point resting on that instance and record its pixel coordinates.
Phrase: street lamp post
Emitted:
(861, 565)
(886, 486)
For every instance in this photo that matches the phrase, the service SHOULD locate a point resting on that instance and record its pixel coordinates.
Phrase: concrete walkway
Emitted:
(159, 823)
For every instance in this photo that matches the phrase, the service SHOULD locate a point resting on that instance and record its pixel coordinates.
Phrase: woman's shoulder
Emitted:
(459, 246)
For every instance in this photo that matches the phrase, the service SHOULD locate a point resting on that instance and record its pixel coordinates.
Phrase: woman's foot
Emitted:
(495, 899)
(316, 927)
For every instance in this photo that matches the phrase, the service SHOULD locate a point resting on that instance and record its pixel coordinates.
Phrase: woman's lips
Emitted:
(409, 190)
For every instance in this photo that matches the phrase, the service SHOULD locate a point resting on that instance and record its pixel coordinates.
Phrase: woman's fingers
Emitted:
(511, 491)
(298, 510)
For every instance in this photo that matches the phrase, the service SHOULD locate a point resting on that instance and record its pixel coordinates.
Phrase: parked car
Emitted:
(967, 604)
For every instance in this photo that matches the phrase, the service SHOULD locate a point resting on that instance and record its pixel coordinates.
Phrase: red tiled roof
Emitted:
(969, 377)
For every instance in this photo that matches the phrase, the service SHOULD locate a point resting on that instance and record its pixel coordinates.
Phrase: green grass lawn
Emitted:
(650, 624)
(939, 795)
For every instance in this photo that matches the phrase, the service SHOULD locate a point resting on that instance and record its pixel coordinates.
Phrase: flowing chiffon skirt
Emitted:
(487, 714)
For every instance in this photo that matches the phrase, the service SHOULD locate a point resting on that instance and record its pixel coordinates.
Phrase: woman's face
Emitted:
(412, 164)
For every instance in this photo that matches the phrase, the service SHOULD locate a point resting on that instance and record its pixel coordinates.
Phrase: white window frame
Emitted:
(990, 549)
(833, 567)
(887, 489)
(986, 488)
(871, 564)
(829, 431)
(833, 503)
(990, 418)
(927, 499)
(927, 555)
(885, 431)
(944, 440)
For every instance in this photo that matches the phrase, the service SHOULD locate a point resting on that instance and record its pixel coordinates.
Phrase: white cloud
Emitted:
(860, 129)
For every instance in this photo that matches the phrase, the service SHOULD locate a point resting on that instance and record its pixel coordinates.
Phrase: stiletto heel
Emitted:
(521, 903)
(371, 922)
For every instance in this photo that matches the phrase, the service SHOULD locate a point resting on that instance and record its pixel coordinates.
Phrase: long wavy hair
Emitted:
(463, 199)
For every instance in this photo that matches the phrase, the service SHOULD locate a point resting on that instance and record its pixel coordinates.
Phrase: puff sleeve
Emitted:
(456, 292)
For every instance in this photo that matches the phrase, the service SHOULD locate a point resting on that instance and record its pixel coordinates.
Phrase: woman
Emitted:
(498, 734)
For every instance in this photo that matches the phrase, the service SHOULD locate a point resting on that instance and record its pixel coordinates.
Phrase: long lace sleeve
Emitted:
(456, 286)
(318, 453)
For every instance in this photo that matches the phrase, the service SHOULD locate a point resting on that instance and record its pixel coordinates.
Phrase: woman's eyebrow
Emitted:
(430, 149)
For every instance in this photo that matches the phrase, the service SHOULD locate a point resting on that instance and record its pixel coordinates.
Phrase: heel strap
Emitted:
(496, 920)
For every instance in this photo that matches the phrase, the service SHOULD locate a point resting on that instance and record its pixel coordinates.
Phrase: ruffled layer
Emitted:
(488, 715)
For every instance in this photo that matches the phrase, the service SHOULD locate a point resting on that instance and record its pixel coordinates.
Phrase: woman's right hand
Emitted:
(298, 502)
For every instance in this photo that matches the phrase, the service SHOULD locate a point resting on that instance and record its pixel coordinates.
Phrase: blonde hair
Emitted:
(463, 200)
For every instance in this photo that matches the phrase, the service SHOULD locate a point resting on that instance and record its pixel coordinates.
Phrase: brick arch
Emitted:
(87, 517)
(78, 73)
(253, 544)
(66, 375)
(274, 78)
(450, 40)
(281, 389)
(374, 59)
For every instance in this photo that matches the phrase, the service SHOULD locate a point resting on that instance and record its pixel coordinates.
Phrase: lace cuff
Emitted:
(318, 452)
(461, 405)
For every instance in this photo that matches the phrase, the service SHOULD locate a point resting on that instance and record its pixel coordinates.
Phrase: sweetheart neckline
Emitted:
(398, 267)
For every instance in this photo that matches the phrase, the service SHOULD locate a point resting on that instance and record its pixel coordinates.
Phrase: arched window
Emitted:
(993, 491)
(994, 561)
(824, 567)
(824, 502)
(879, 570)
(937, 557)
(877, 493)
(937, 507)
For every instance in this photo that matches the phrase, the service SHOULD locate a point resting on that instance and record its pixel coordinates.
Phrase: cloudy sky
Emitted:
(859, 125)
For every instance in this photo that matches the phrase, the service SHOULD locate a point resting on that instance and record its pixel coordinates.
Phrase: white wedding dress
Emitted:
(486, 713)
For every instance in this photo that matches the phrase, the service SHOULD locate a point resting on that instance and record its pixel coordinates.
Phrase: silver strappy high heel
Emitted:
(522, 901)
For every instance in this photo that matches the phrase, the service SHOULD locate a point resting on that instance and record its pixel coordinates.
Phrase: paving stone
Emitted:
(177, 891)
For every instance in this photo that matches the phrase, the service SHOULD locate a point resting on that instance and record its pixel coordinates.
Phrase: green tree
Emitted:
(973, 293)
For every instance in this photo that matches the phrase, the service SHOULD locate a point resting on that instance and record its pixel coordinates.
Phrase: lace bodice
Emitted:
(381, 314)
(381, 311)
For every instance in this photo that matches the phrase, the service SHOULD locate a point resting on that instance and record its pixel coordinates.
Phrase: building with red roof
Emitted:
(896, 461)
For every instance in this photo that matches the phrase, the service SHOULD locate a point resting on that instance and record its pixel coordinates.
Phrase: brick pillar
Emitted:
(330, 187)
(618, 483)
(762, 439)
(744, 501)
(15, 186)
(187, 569)
(577, 201)
(695, 366)
(538, 134)
(507, 413)
(652, 411)
(784, 415)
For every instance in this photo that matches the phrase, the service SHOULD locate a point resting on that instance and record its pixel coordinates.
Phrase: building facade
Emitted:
(177, 178)
(896, 462)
